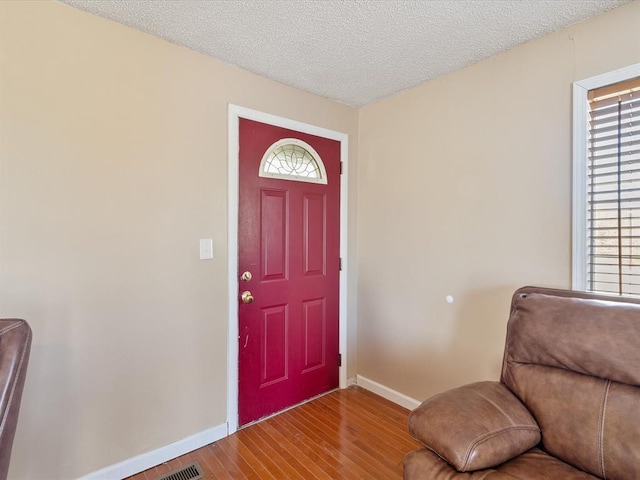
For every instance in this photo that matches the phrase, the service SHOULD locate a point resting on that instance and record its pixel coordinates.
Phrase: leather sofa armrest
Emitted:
(15, 346)
(476, 426)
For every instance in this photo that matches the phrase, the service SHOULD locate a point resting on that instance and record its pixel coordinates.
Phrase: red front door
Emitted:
(289, 234)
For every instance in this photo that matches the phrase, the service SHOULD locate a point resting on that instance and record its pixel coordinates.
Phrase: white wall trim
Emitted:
(235, 113)
(579, 224)
(156, 457)
(579, 221)
(388, 393)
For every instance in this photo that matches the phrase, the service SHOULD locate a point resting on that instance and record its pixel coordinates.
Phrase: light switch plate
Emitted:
(206, 249)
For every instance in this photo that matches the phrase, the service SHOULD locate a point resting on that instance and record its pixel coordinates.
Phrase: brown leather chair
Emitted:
(567, 406)
(15, 345)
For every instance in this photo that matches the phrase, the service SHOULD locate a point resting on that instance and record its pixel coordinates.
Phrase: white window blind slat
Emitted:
(613, 189)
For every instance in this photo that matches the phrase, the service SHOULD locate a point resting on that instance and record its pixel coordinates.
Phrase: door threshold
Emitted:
(267, 417)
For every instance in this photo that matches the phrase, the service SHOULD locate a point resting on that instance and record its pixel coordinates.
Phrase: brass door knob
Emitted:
(246, 297)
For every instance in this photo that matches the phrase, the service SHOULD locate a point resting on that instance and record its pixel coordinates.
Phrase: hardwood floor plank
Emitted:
(377, 421)
(371, 440)
(239, 466)
(346, 434)
(340, 447)
(344, 442)
(322, 463)
(217, 468)
(263, 458)
(375, 425)
(287, 451)
(187, 459)
(210, 465)
(285, 458)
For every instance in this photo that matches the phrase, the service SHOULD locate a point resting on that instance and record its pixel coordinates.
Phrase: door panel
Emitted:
(274, 211)
(314, 234)
(314, 317)
(274, 345)
(288, 239)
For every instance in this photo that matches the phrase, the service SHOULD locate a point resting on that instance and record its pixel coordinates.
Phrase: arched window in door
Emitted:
(293, 159)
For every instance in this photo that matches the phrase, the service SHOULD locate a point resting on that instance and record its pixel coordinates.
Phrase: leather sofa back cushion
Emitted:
(575, 364)
(570, 333)
(590, 423)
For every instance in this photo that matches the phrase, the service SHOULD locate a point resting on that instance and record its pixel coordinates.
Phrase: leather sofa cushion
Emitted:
(531, 465)
(474, 427)
(569, 333)
(589, 422)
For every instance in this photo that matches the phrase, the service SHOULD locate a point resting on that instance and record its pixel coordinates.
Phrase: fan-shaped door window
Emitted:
(293, 159)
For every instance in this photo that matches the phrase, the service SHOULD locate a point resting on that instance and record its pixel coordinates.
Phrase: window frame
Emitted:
(580, 144)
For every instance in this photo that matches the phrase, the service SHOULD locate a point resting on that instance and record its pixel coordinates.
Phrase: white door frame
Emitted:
(235, 113)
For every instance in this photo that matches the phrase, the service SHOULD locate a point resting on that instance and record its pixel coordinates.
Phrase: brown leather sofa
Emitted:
(567, 406)
(15, 345)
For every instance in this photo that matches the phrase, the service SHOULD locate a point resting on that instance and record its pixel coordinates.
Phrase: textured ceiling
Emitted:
(353, 51)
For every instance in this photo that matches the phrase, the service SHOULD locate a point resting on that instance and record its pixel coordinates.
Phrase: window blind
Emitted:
(613, 189)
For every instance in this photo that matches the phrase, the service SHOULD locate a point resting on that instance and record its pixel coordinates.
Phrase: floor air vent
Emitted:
(190, 472)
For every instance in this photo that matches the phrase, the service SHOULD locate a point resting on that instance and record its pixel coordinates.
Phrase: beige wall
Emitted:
(113, 154)
(465, 190)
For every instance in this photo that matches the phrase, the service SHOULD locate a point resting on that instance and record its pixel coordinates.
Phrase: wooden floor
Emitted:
(346, 434)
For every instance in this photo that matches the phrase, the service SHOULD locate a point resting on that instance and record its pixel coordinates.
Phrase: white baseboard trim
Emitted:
(156, 457)
(388, 393)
